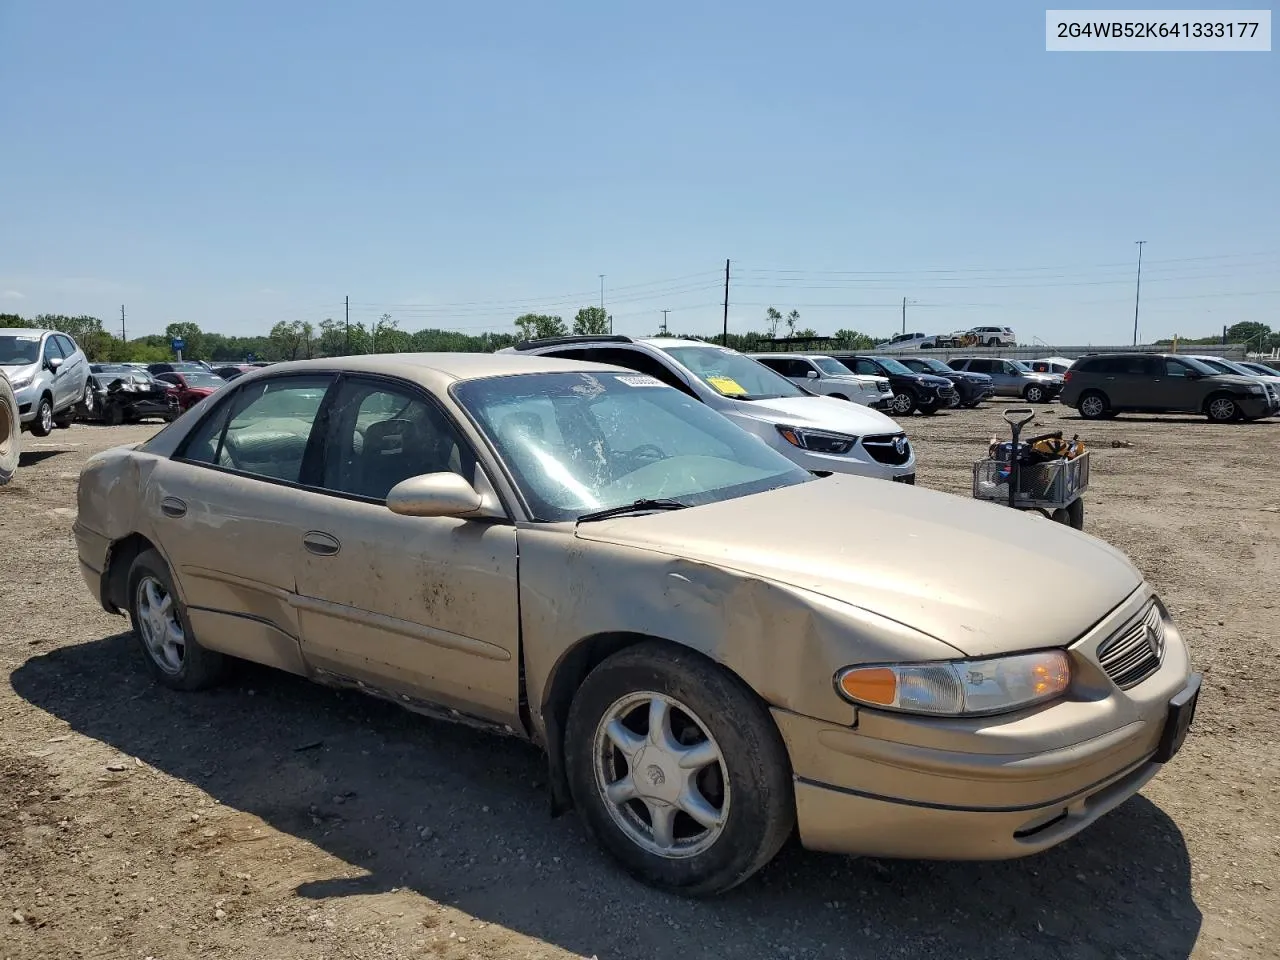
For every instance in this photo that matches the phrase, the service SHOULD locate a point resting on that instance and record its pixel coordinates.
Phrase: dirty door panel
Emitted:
(423, 607)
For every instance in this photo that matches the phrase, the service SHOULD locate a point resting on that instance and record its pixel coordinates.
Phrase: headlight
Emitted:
(1257, 388)
(22, 381)
(883, 386)
(957, 688)
(817, 441)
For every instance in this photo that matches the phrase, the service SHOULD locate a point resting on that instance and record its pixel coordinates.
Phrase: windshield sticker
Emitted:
(640, 380)
(728, 386)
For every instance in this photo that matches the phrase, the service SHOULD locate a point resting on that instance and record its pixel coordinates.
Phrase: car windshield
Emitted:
(111, 368)
(16, 349)
(1226, 366)
(932, 365)
(576, 443)
(832, 368)
(1259, 370)
(731, 374)
(895, 366)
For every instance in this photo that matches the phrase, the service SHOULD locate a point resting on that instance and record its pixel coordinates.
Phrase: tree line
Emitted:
(301, 339)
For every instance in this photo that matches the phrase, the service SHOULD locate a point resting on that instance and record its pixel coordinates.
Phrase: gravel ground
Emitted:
(276, 818)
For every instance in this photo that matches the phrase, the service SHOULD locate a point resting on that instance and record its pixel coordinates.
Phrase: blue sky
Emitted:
(455, 165)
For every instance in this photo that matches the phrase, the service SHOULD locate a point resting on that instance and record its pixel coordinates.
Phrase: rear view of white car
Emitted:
(829, 377)
(821, 434)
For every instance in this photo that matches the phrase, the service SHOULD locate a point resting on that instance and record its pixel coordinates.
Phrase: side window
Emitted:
(262, 430)
(51, 351)
(866, 367)
(1142, 367)
(800, 369)
(778, 364)
(1175, 368)
(379, 434)
(973, 366)
(1009, 368)
(641, 363)
(67, 344)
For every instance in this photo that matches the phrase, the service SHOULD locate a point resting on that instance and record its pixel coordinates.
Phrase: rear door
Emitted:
(229, 515)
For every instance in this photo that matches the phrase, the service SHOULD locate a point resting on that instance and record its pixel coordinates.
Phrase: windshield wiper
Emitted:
(642, 505)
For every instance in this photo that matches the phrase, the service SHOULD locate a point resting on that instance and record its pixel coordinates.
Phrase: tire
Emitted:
(1221, 408)
(42, 425)
(175, 661)
(750, 775)
(1093, 405)
(63, 420)
(902, 404)
(87, 406)
(10, 432)
(1034, 393)
(928, 409)
(971, 404)
(1075, 513)
(113, 415)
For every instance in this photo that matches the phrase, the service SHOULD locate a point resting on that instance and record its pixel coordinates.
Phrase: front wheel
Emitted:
(902, 404)
(678, 770)
(1034, 393)
(42, 425)
(1222, 409)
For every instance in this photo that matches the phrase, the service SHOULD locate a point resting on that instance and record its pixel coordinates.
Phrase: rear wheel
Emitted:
(1221, 409)
(160, 623)
(678, 770)
(902, 404)
(1094, 406)
(87, 404)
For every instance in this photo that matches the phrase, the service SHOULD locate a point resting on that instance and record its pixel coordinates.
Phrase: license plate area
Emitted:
(1182, 711)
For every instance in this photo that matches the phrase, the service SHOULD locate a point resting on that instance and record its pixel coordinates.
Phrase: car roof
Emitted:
(25, 332)
(433, 369)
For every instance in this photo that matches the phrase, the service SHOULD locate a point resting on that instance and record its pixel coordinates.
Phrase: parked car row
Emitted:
(583, 542)
(1104, 385)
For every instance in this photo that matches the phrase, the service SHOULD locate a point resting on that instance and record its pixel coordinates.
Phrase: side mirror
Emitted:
(812, 374)
(433, 495)
(53, 363)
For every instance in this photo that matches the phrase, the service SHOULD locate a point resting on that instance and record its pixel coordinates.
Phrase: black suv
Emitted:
(971, 388)
(1105, 384)
(911, 391)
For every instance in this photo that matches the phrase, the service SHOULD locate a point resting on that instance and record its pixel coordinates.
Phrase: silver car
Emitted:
(49, 375)
(1012, 379)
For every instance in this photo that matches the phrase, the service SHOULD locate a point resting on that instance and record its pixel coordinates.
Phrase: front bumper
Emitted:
(26, 398)
(995, 788)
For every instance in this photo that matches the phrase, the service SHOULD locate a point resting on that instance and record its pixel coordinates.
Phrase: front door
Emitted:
(1174, 386)
(421, 608)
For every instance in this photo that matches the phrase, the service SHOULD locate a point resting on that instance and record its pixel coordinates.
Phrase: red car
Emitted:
(191, 387)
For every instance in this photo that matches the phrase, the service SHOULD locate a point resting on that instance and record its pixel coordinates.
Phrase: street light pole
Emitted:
(1137, 292)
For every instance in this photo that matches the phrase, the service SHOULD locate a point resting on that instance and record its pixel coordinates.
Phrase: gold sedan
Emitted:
(713, 647)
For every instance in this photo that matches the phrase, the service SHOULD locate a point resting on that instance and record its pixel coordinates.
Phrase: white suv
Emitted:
(829, 377)
(821, 434)
(994, 336)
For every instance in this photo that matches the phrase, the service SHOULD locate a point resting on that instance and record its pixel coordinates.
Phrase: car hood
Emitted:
(12, 370)
(966, 375)
(977, 576)
(1234, 380)
(822, 412)
(932, 379)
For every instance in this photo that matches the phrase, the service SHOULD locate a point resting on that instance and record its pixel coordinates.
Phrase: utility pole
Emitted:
(122, 336)
(347, 304)
(1137, 292)
(664, 322)
(904, 314)
(724, 340)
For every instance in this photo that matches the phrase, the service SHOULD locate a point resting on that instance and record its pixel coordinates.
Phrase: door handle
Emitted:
(173, 507)
(320, 543)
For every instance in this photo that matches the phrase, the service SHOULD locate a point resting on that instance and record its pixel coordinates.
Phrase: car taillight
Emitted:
(1066, 377)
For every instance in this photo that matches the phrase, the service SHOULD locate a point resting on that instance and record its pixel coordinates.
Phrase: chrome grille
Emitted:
(1135, 652)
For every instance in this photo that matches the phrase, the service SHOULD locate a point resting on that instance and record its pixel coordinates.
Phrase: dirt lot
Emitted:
(277, 819)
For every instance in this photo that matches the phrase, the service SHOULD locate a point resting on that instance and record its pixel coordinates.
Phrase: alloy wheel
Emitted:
(158, 622)
(1222, 408)
(901, 403)
(662, 775)
(1092, 406)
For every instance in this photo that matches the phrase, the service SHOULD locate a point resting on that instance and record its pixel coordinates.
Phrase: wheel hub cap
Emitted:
(159, 625)
(662, 775)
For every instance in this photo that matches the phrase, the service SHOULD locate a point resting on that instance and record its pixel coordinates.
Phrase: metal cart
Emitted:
(1055, 487)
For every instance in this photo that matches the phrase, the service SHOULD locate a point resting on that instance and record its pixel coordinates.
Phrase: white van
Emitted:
(821, 434)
